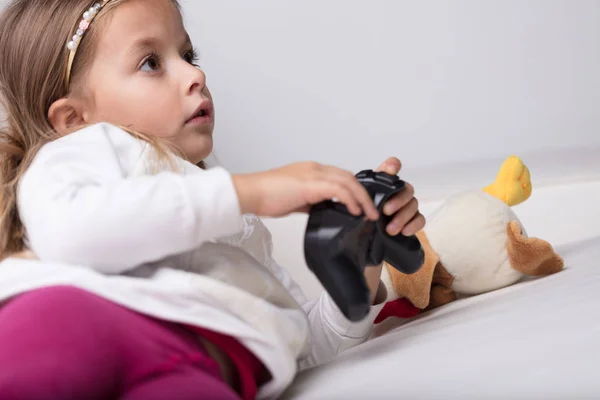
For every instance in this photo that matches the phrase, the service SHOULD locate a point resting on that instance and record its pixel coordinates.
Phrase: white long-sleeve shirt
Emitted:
(103, 213)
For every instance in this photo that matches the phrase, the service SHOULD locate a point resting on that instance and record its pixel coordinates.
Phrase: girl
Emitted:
(148, 275)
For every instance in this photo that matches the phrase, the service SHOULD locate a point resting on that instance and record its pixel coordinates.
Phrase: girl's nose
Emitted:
(196, 79)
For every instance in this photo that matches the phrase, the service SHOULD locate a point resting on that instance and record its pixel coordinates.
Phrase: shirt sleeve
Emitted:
(331, 332)
(80, 205)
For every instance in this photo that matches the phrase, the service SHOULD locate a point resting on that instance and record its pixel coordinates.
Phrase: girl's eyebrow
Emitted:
(151, 42)
(143, 43)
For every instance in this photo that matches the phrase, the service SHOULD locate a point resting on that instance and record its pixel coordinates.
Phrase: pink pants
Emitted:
(65, 343)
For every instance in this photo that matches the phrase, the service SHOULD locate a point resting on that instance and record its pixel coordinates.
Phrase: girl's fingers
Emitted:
(334, 190)
(414, 226)
(400, 200)
(359, 193)
(403, 217)
(330, 182)
(390, 166)
(364, 198)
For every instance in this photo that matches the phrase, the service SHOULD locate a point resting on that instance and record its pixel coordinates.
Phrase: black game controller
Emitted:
(338, 245)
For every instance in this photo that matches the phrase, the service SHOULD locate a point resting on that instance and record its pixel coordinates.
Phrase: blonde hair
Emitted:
(33, 63)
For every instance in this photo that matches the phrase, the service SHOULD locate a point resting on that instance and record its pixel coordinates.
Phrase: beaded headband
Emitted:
(83, 26)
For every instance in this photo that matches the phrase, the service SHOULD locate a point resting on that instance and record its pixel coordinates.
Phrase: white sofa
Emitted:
(538, 339)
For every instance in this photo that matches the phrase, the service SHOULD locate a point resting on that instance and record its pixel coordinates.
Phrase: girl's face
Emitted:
(143, 77)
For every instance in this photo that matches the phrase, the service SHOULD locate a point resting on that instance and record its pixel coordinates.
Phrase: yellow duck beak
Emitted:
(513, 183)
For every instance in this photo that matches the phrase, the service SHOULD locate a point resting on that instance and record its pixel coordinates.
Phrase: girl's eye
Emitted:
(191, 57)
(151, 64)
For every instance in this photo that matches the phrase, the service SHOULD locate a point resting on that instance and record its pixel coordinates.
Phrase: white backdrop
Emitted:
(349, 82)
(441, 84)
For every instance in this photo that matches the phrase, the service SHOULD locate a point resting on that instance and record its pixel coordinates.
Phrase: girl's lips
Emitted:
(202, 115)
(200, 120)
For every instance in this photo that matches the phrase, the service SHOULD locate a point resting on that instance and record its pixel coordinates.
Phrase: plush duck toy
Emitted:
(474, 243)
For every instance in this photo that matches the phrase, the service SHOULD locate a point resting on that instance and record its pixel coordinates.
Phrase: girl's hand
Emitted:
(407, 219)
(296, 187)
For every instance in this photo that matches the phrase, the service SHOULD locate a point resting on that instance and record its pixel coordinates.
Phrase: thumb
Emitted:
(390, 166)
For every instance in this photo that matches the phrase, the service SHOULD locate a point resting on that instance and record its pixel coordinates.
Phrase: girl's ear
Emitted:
(64, 115)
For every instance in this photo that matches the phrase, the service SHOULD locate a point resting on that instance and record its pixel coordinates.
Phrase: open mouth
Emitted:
(202, 115)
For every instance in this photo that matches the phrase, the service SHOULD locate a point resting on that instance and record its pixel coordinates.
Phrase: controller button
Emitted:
(387, 178)
(367, 173)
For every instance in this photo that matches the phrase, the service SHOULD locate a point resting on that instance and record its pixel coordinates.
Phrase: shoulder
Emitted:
(104, 148)
(101, 138)
(97, 153)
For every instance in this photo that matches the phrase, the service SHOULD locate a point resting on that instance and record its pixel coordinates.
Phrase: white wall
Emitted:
(350, 82)
(441, 84)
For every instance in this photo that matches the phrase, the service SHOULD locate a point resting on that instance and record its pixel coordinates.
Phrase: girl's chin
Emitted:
(199, 154)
